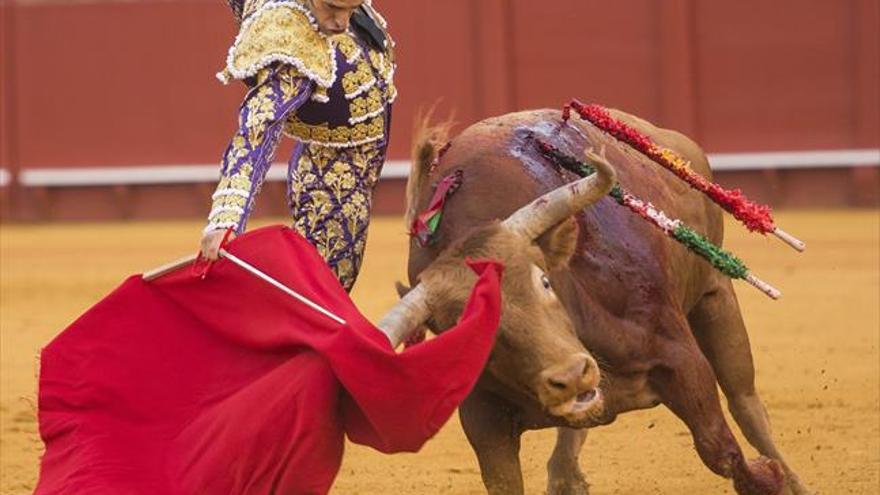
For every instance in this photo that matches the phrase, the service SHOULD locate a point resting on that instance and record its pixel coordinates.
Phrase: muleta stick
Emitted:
(755, 216)
(723, 261)
(278, 285)
(189, 260)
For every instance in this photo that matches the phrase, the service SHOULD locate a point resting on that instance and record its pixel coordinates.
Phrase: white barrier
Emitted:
(399, 169)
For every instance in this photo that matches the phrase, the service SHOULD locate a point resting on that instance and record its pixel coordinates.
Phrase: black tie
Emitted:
(373, 34)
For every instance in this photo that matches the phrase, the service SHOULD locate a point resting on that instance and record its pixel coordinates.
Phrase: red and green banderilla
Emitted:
(755, 216)
(722, 260)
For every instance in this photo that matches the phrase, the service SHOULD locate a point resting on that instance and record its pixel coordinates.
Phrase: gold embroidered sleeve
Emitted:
(278, 93)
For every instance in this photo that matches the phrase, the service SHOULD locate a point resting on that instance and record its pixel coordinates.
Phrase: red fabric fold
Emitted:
(227, 385)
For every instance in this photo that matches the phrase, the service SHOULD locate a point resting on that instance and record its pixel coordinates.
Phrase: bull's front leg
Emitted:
(686, 384)
(564, 475)
(494, 435)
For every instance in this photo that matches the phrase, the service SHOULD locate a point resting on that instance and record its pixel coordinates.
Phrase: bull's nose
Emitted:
(578, 374)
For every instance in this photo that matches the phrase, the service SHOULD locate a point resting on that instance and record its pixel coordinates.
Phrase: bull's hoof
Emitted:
(762, 476)
(574, 483)
(795, 486)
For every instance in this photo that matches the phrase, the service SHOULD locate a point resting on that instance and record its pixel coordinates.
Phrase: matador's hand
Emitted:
(211, 243)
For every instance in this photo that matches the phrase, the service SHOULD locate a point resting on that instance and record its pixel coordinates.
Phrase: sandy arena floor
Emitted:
(816, 351)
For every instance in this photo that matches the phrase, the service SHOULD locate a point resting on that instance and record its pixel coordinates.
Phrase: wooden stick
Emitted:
(169, 267)
(790, 239)
(187, 260)
(764, 287)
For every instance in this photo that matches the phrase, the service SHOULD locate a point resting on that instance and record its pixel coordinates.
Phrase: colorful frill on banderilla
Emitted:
(755, 216)
(424, 226)
(722, 260)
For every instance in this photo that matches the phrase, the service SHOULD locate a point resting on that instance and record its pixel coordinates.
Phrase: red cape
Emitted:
(227, 385)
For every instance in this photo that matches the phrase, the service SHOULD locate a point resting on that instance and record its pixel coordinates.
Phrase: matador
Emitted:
(320, 72)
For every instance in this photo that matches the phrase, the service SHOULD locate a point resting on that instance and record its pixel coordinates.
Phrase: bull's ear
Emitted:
(559, 243)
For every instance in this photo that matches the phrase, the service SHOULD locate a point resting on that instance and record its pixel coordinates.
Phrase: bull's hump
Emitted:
(510, 138)
(504, 125)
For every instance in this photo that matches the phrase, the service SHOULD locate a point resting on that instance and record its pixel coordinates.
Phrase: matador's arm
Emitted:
(279, 91)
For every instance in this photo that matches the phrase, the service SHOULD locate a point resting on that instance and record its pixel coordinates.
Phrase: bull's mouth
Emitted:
(584, 406)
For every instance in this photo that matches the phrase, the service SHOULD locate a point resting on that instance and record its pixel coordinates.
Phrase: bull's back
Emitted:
(619, 255)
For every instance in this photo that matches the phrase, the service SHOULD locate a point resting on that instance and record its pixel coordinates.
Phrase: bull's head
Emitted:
(537, 353)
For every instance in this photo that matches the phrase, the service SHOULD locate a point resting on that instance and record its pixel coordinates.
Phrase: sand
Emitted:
(817, 353)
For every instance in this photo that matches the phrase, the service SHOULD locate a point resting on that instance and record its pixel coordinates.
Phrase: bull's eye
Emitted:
(545, 282)
(542, 281)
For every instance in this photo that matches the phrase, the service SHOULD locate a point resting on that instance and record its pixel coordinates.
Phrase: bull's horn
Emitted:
(535, 218)
(406, 316)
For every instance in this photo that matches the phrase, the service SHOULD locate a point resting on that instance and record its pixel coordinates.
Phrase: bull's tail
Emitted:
(428, 139)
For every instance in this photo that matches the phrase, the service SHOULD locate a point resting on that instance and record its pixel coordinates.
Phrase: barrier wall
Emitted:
(109, 84)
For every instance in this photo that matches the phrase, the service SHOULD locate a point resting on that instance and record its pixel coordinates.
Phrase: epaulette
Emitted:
(280, 31)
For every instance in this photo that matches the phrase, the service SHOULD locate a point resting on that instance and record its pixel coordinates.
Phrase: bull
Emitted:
(602, 314)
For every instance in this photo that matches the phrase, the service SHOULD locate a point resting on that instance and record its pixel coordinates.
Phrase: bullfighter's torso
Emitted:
(340, 126)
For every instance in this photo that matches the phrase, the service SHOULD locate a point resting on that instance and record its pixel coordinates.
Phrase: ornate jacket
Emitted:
(333, 95)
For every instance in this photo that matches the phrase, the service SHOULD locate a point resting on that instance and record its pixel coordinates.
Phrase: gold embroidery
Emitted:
(309, 178)
(388, 66)
(332, 210)
(282, 33)
(386, 69)
(356, 81)
(344, 269)
(237, 150)
(367, 105)
(342, 136)
(340, 179)
(390, 92)
(349, 210)
(241, 180)
(367, 100)
(376, 59)
(335, 236)
(359, 200)
(388, 75)
(226, 217)
(261, 110)
(349, 48)
(384, 65)
(291, 82)
(231, 199)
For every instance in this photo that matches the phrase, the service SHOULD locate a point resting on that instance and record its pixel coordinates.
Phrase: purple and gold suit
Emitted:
(333, 96)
